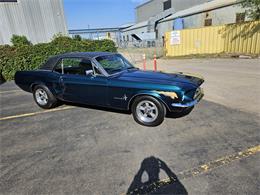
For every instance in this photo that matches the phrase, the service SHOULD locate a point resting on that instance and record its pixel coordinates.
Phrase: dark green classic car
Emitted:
(109, 80)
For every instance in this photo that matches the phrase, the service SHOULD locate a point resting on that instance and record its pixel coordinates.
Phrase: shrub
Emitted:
(18, 41)
(77, 37)
(30, 57)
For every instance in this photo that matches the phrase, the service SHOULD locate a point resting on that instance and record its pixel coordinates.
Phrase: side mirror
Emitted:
(89, 72)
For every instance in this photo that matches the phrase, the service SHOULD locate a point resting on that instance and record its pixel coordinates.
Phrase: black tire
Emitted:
(153, 102)
(51, 101)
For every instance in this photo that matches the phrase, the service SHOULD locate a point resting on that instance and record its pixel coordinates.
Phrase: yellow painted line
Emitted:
(10, 91)
(35, 113)
(147, 189)
(219, 162)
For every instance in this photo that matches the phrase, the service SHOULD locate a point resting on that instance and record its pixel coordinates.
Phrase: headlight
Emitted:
(172, 95)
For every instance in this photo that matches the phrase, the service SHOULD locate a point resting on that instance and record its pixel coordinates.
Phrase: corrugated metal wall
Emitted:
(38, 20)
(240, 38)
(244, 38)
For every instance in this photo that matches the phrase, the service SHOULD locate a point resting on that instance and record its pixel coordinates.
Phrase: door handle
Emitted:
(61, 82)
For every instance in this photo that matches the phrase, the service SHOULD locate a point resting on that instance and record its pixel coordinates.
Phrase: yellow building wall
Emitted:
(236, 38)
(242, 38)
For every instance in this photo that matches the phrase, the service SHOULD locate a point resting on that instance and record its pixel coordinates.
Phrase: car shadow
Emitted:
(147, 179)
(98, 108)
(181, 114)
(173, 115)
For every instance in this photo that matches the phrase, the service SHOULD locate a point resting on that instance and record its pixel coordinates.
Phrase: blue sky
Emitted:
(99, 13)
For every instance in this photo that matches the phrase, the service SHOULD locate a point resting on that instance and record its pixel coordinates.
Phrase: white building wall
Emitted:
(226, 15)
(149, 9)
(154, 7)
(134, 31)
(163, 28)
(38, 20)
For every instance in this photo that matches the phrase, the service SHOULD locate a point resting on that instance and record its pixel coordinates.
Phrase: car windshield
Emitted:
(114, 63)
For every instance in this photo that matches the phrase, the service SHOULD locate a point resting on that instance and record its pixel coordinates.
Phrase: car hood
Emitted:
(161, 77)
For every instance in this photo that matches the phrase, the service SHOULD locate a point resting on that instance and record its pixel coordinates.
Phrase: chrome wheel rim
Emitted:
(41, 97)
(147, 111)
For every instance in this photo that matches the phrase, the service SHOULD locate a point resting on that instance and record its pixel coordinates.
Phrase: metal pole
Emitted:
(154, 63)
(62, 67)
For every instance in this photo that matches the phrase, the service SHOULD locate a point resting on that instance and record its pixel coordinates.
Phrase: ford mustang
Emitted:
(108, 80)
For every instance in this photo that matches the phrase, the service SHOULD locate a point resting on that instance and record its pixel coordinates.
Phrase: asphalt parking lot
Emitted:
(82, 150)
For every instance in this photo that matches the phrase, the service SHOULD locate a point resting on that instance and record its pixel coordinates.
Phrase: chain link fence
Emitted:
(134, 50)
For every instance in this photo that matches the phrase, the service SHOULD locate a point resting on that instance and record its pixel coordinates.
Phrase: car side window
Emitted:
(75, 66)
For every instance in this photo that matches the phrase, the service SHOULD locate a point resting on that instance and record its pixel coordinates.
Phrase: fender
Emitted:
(43, 83)
(149, 93)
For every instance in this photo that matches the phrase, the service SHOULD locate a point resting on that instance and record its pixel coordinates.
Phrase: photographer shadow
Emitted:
(150, 172)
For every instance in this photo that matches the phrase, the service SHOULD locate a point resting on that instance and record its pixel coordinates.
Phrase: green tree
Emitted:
(18, 40)
(252, 8)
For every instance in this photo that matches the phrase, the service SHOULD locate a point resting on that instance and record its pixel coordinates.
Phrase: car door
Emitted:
(79, 83)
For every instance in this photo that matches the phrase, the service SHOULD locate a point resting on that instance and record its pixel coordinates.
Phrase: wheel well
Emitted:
(33, 86)
(133, 99)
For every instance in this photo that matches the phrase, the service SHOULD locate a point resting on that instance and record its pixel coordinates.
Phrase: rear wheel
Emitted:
(43, 97)
(148, 111)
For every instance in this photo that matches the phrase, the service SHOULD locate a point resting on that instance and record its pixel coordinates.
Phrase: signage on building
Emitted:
(176, 37)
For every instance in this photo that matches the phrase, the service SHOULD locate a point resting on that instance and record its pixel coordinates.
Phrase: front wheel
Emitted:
(43, 97)
(148, 111)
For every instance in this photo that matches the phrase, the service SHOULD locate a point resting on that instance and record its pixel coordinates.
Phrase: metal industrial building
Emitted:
(38, 20)
(217, 12)
(156, 7)
(156, 17)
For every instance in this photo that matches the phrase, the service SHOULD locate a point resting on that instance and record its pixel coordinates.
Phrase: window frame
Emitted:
(105, 73)
(82, 58)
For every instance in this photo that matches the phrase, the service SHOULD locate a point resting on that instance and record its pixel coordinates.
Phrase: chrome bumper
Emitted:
(188, 104)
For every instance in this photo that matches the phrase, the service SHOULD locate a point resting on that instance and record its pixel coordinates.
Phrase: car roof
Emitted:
(50, 63)
(83, 54)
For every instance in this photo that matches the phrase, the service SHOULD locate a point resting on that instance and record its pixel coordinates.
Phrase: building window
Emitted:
(208, 22)
(167, 5)
(124, 38)
(127, 38)
(8, 1)
(240, 17)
